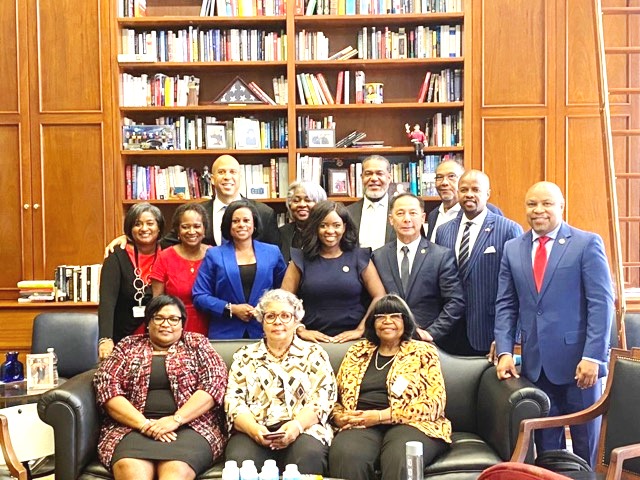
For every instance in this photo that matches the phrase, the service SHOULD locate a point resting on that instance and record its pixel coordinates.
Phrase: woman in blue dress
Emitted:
(334, 277)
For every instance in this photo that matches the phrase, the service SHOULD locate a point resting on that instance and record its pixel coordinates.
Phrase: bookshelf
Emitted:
(402, 79)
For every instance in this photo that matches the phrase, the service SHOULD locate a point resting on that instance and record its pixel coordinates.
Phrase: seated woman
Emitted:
(280, 393)
(390, 391)
(162, 397)
(333, 276)
(301, 198)
(233, 276)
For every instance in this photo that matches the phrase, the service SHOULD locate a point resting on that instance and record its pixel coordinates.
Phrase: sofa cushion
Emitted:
(468, 453)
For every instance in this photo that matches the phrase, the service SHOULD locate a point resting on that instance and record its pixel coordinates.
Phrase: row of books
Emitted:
(444, 130)
(375, 7)
(77, 283)
(131, 8)
(305, 123)
(313, 89)
(176, 182)
(423, 41)
(243, 8)
(417, 176)
(194, 44)
(159, 90)
(31, 291)
(445, 86)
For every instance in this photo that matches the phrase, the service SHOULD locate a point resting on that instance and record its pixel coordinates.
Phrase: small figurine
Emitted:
(417, 137)
(205, 183)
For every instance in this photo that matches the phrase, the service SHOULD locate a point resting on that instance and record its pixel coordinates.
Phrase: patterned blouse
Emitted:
(274, 391)
(420, 404)
(192, 364)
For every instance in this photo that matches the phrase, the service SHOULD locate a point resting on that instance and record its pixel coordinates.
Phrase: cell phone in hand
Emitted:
(273, 435)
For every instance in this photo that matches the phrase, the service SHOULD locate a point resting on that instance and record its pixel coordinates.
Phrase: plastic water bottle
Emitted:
(248, 470)
(230, 470)
(291, 472)
(54, 362)
(415, 469)
(269, 470)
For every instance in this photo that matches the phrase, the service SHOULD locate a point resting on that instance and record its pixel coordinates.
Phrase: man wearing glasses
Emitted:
(370, 213)
(448, 174)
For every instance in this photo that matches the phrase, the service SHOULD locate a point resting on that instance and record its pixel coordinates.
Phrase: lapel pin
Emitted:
(423, 251)
(488, 229)
(345, 269)
(561, 241)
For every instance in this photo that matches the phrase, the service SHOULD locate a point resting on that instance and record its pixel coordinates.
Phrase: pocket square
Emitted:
(490, 249)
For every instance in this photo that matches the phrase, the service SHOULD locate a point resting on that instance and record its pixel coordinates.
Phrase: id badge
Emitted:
(138, 311)
(399, 386)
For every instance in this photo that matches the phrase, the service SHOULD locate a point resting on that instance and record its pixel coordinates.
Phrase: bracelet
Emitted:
(146, 422)
(104, 339)
(228, 307)
(379, 416)
(299, 425)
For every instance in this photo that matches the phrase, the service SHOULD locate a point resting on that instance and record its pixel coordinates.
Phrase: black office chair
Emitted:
(632, 329)
(74, 336)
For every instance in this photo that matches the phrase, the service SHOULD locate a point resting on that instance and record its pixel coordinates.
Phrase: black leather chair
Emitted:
(484, 411)
(619, 443)
(74, 337)
(632, 329)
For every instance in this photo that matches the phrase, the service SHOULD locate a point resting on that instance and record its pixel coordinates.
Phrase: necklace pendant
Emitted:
(192, 269)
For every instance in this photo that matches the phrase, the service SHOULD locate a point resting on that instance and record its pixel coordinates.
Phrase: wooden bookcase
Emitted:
(402, 79)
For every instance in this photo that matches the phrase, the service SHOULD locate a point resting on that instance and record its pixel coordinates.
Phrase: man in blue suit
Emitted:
(555, 284)
(422, 273)
(477, 236)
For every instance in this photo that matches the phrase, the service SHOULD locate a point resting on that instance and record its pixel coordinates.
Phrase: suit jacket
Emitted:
(480, 282)
(571, 316)
(268, 226)
(432, 217)
(218, 283)
(287, 234)
(355, 210)
(435, 294)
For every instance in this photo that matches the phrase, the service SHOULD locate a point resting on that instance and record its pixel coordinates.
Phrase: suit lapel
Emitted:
(261, 272)
(357, 211)
(560, 245)
(483, 238)
(233, 271)
(526, 264)
(392, 259)
(418, 260)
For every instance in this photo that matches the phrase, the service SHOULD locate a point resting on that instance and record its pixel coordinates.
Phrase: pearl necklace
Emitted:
(386, 364)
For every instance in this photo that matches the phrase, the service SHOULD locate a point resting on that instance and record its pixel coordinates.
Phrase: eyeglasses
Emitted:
(391, 316)
(173, 321)
(271, 317)
(452, 177)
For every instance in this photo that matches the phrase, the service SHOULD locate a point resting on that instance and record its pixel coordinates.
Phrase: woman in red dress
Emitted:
(177, 266)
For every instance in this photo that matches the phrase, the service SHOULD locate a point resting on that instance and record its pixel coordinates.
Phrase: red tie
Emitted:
(540, 262)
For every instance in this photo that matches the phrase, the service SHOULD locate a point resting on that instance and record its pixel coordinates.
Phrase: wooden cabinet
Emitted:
(55, 133)
(402, 79)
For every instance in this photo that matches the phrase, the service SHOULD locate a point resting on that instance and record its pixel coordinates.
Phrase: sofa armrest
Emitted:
(72, 412)
(502, 405)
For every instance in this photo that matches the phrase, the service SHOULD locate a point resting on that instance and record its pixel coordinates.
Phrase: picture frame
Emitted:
(39, 371)
(246, 132)
(215, 136)
(321, 138)
(338, 182)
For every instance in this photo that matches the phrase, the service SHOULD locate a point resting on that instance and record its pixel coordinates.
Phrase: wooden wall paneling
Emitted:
(514, 154)
(9, 60)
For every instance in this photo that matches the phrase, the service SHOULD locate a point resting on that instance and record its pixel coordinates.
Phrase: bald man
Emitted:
(477, 237)
(556, 286)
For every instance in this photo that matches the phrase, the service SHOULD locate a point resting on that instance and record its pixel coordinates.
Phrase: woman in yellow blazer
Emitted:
(390, 391)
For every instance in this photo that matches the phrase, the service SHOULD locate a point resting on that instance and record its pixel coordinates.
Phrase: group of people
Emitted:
(475, 283)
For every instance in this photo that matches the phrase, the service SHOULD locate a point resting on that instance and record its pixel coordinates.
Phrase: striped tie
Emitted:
(463, 255)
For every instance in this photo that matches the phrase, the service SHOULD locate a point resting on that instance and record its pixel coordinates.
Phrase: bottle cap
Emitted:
(270, 463)
(248, 463)
(231, 464)
(414, 448)
(50, 349)
(291, 468)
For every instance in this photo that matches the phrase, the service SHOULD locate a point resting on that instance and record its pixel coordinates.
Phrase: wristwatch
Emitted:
(178, 419)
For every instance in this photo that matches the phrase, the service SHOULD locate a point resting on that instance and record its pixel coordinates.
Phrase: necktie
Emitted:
(540, 262)
(404, 269)
(463, 254)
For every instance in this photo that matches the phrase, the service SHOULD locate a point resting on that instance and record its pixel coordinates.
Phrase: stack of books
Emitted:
(36, 291)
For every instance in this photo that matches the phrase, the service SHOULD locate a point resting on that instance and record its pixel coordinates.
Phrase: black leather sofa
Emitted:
(485, 414)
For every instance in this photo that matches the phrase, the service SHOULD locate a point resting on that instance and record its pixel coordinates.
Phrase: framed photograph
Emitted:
(321, 138)
(148, 137)
(338, 182)
(247, 133)
(39, 371)
(216, 136)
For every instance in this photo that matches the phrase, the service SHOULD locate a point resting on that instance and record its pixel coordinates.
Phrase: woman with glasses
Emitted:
(390, 391)
(301, 198)
(233, 276)
(281, 391)
(162, 395)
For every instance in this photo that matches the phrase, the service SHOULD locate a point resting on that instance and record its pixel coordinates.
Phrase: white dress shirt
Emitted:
(413, 248)
(373, 223)
(474, 231)
(443, 217)
(218, 211)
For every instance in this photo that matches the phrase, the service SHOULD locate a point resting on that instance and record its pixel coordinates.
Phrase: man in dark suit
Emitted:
(422, 273)
(477, 236)
(556, 287)
(448, 174)
(370, 213)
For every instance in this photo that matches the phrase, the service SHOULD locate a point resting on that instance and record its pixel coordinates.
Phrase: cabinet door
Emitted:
(70, 133)
(15, 194)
